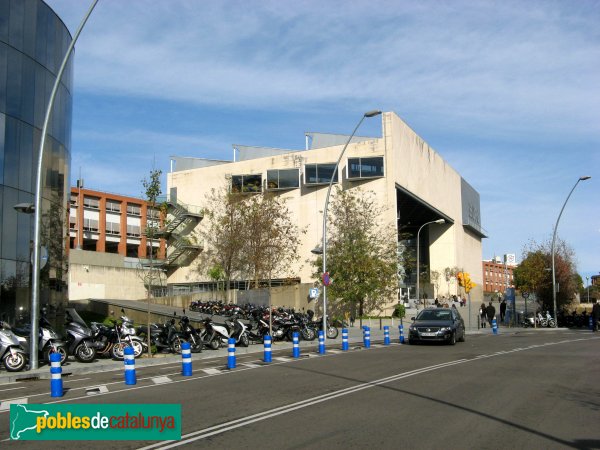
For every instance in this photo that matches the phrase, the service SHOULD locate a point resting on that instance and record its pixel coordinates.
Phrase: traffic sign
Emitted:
(326, 279)
(525, 294)
(313, 292)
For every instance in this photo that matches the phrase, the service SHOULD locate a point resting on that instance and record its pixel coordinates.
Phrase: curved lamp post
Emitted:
(367, 114)
(440, 221)
(35, 294)
(553, 249)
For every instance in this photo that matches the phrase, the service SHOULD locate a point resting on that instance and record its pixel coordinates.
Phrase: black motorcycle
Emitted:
(190, 334)
(164, 337)
(80, 337)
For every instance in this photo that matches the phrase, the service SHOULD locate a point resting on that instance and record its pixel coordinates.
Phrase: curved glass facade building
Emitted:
(33, 42)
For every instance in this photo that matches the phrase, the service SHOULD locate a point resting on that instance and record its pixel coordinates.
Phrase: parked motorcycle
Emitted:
(164, 337)
(80, 337)
(49, 340)
(113, 340)
(190, 334)
(12, 355)
(216, 334)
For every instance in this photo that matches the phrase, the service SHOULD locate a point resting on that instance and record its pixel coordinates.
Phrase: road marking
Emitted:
(78, 379)
(251, 365)
(102, 389)
(212, 371)
(282, 358)
(334, 351)
(12, 389)
(5, 406)
(227, 426)
(161, 380)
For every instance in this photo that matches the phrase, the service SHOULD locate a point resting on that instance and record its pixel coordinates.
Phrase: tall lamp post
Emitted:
(35, 282)
(553, 248)
(367, 114)
(439, 221)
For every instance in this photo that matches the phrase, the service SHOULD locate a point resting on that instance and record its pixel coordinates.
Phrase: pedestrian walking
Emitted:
(490, 312)
(502, 310)
(482, 315)
(596, 314)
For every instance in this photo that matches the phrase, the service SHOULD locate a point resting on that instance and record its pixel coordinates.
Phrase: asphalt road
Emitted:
(524, 390)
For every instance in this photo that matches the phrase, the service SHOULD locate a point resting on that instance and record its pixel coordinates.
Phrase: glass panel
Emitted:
(272, 179)
(236, 184)
(325, 173)
(310, 173)
(11, 153)
(372, 167)
(13, 83)
(289, 179)
(4, 15)
(252, 183)
(353, 167)
(9, 228)
(3, 72)
(2, 133)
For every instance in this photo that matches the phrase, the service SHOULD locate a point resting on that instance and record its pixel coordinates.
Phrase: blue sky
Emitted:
(506, 91)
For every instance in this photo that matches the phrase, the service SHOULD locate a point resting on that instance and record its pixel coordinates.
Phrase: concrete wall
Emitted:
(102, 275)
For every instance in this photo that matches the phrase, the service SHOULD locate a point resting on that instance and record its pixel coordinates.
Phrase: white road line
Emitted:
(5, 406)
(161, 380)
(251, 365)
(211, 371)
(96, 390)
(12, 389)
(211, 431)
(78, 379)
(282, 358)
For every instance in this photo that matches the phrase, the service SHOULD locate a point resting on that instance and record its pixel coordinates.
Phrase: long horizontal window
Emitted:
(113, 228)
(246, 183)
(91, 202)
(113, 206)
(283, 179)
(319, 173)
(134, 210)
(371, 167)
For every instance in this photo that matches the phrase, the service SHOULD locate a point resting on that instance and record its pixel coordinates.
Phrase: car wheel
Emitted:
(462, 337)
(452, 339)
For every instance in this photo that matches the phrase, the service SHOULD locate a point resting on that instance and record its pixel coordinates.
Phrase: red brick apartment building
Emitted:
(497, 276)
(112, 223)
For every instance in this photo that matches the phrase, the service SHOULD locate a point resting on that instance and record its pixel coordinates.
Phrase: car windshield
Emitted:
(434, 314)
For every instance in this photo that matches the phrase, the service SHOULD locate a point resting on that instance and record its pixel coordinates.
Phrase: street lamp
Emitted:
(587, 281)
(35, 294)
(553, 249)
(324, 246)
(439, 221)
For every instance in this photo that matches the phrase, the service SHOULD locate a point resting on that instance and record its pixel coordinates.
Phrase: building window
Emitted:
(90, 225)
(113, 206)
(246, 184)
(319, 173)
(134, 210)
(113, 228)
(72, 222)
(73, 199)
(134, 230)
(153, 213)
(283, 179)
(91, 202)
(371, 167)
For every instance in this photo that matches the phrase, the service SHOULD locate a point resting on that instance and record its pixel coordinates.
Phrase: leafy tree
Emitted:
(450, 273)
(224, 235)
(534, 274)
(152, 190)
(435, 280)
(362, 257)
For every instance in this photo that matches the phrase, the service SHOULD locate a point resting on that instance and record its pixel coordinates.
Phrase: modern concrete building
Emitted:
(33, 42)
(112, 223)
(409, 179)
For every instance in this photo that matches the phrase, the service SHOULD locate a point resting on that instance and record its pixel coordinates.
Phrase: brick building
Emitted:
(497, 276)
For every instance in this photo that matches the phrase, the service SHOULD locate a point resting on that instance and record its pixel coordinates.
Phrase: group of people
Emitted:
(488, 313)
(453, 300)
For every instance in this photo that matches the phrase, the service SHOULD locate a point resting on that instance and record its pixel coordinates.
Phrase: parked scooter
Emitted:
(80, 337)
(49, 340)
(12, 355)
(190, 334)
(164, 336)
(113, 340)
(215, 334)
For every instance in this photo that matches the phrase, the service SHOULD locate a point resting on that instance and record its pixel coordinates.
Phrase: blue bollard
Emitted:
(592, 323)
(321, 342)
(231, 353)
(129, 361)
(345, 339)
(367, 337)
(494, 326)
(56, 383)
(401, 329)
(186, 359)
(295, 345)
(386, 335)
(267, 356)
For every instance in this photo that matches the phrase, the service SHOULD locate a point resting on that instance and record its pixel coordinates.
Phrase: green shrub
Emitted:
(399, 311)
